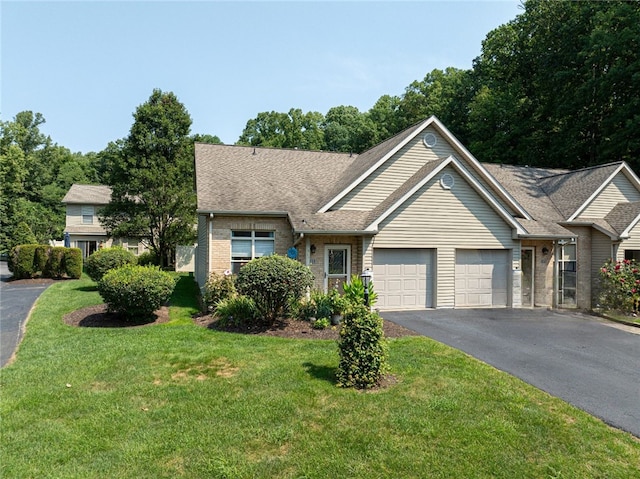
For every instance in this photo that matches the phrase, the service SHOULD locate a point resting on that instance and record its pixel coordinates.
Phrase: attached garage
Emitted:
(403, 278)
(482, 278)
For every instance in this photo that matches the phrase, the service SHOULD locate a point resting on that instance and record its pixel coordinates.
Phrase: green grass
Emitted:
(177, 400)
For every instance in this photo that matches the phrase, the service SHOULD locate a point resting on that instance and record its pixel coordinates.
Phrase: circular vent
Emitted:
(446, 181)
(430, 140)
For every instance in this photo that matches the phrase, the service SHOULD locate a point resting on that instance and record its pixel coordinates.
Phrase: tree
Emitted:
(294, 129)
(348, 130)
(151, 177)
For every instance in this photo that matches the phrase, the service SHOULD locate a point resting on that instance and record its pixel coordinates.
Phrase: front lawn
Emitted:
(178, 400)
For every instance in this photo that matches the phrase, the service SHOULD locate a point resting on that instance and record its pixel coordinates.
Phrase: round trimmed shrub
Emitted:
(22, 261)
(136, 291)
(217, 288)
(363, 351)
(273, 282)
(107, 259)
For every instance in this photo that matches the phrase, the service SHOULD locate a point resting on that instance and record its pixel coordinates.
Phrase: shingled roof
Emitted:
(88, 195)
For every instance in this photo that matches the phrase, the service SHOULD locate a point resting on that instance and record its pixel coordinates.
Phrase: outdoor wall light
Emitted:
(313, 249)
(545, 251)
(367, 276)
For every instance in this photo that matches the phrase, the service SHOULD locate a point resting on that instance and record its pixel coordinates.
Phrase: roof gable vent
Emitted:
(429, 140)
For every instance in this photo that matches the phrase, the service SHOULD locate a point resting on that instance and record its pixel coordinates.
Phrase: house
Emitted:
(437, 228)
(82, 226)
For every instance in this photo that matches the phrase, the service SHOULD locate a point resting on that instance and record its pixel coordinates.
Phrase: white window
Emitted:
(247, 245)
(87, 215)
(133, 246)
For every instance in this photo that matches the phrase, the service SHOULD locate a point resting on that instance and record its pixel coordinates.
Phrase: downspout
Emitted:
(209, 252)
(556, 280)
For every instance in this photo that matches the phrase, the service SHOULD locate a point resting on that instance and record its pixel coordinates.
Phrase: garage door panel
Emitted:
(481, 278)
(403, 278)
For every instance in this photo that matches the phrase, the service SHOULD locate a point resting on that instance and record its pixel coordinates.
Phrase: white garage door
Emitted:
(482, 278)
(403, 278)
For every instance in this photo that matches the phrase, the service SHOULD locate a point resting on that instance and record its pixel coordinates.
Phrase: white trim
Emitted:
(377, 165)
(625, 234)
(328, 247)
(628, 172)
(477, 186)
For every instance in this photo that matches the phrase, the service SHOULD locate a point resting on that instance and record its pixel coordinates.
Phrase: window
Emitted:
(247, 245)
(87, 215)
(133, 246)
(567, 275)
(632, 254)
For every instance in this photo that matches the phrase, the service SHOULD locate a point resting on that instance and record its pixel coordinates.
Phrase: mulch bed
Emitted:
(98, 317)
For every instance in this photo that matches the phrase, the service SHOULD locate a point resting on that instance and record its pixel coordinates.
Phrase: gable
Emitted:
(434, 216)
(618, 190)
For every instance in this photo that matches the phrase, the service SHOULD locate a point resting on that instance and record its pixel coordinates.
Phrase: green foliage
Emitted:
(73, 262)
(322, 303)
(23, 235)
(273, 282)
(106, 259)
(354, 291)
(362, 349)
(321, 323)
(151, 177)
(303, 309)
(148, 258)
(217, 288)
(237, 310)
(22, 261)
(136, 291)
(619, 285)
(29, 261)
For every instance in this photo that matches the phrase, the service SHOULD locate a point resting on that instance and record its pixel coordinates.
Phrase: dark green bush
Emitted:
(237, 310)
(148, 258)
(136, 291)
(22, 261)
(362, 349)
(106, 259)
(73, 262)
(217, 288)
(273, 282)
(29, 261)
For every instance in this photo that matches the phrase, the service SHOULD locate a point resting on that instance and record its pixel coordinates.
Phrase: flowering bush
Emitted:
(619, 285)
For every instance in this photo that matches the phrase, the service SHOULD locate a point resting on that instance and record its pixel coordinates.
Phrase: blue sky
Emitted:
(86, 66)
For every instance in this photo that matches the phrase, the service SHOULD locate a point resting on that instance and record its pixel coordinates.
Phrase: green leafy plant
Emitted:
(303, 309)
(619, 285)
(322, 304)
(237, 310)
(362, 349)
(148, 258)
(337, 302)
(217, 288)
(22, 261)
(107, 259)
(321, 323)
(354, 291)
(136, 291)
(273, 282)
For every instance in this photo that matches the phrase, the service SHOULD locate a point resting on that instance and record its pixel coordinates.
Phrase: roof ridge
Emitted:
(275, 148)
(586, 168)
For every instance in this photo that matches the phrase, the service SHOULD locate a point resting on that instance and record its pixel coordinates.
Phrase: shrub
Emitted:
(73, 262)
(273, 282)
(107, 259)
(217, 288)
(303, 309)
(22, 261)
(619, 285)
(354, 291)
(237, 310)
(322, 323)
(148, 258)
(362, 349)
(136, 291)
(40, 258)
(54, 267)
(322, 304)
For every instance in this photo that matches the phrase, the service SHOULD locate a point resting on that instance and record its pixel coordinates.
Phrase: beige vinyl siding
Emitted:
(446, 220)
(202, 251)
(633, 242)
(619, 190)
(74, 215)
(390, 176)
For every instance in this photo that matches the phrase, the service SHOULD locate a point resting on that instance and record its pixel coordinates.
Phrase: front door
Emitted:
(527, 262)
(337, 266)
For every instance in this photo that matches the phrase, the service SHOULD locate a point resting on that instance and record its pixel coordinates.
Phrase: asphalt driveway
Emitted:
(576, 357)
(16, 301)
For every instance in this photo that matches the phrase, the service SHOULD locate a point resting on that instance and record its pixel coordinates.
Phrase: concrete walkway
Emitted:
(589, 363)
(16, 301)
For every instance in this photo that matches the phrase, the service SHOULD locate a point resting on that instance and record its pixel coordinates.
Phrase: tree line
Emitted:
(558, 86)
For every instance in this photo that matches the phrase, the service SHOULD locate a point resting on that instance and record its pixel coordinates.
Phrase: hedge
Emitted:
(35, 260)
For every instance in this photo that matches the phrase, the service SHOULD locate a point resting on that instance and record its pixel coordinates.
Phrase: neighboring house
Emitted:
(82, 224)
(438, 228)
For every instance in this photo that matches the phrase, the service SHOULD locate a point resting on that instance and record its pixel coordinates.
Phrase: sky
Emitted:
(87, 65)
